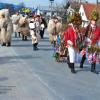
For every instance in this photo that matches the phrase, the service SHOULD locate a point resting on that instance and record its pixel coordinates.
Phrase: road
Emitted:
(34, 75)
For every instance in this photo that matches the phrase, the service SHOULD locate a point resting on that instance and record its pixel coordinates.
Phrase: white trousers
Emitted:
(71, 52)
(34, 37)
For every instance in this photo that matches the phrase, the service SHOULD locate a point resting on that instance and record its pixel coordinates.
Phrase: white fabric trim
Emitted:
(71, 52)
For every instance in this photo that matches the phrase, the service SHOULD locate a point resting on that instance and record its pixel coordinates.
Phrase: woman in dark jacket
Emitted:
(43, 26)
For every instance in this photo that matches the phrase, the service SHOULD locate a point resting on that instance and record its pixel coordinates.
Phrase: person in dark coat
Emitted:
(43, 26)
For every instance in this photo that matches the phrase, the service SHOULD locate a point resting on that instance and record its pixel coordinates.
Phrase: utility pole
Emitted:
(96, 4)
(51, 2)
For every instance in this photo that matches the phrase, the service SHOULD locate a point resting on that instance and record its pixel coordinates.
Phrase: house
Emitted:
(85, 11)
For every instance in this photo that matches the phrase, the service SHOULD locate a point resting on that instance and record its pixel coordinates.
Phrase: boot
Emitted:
(15, 35)
(19, 34)
(72, 68)
(22, 37)
(35, 46)
(3, 44)
(25, 38)
(8, 44)
(82, 61)
(93, 65)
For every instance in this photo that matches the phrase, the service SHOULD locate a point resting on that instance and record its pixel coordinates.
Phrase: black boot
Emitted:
(22, 37)
(72, 67)
(82, 61)
(93, 68)
(8, 44)
(25, 38)
(15, 34)
(19, 34)
(3, 44)
(35, 46)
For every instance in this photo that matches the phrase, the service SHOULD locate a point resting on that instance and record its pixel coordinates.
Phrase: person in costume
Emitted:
(37, 23)
(92, 34)
(6, 27)
(32, 26)
(15, 20)
(70, 37)
(54, 28)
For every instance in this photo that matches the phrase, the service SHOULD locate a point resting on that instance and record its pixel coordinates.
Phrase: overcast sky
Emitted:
(31, 3)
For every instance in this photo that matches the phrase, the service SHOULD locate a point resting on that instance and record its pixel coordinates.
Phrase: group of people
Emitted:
(37, 27)
(23, 26)
(76, 39)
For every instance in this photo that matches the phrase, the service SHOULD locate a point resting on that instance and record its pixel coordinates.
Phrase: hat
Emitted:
(76, 19)
(94, 15)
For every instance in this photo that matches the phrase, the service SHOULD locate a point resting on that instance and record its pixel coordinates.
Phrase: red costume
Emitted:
(93, 33)
(70, 37)
(69, 34)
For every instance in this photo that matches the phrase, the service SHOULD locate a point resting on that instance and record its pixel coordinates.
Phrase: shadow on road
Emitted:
(14, 59)
(87, 68)
(18, 45)
(46, 49)
(3, 78)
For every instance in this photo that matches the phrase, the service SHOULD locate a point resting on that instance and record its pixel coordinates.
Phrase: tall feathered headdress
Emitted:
(94, 15)
(76, 19)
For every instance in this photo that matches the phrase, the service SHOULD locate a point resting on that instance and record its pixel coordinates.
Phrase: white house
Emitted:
(84, 16)
(85, 11)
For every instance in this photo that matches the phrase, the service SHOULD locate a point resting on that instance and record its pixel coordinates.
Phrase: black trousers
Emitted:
(42, 33)
(93, 65)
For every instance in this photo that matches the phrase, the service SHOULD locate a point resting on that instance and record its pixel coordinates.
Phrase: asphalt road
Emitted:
(34, 75)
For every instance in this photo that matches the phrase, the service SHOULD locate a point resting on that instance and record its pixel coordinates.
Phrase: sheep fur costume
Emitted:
(51, 28)
(6, 27)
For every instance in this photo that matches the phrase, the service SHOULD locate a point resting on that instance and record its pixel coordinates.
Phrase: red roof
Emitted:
(89, 7)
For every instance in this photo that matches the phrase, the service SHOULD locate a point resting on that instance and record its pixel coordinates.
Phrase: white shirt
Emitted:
(32, 25)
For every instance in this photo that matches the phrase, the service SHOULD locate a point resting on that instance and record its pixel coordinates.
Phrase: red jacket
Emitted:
(69, 34)
(96, 35)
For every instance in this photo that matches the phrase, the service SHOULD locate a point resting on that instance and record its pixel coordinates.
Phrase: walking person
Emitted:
(43, 26)
(37, 25)
(92, 35)
(32, 26)
(70, 37)
(54, 28)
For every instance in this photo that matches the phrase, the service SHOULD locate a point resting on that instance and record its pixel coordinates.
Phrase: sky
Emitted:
(31, 3)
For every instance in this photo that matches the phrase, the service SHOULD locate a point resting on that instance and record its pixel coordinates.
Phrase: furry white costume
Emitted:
(15, 20)
(6, 27)
(24, 27)
(54, 28)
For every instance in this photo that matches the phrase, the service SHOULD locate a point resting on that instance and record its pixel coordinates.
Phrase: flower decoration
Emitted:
(94, 15)
(76, 18)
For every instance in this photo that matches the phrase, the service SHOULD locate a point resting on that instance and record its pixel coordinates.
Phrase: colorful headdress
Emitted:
(94, 15)
(76, 18)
